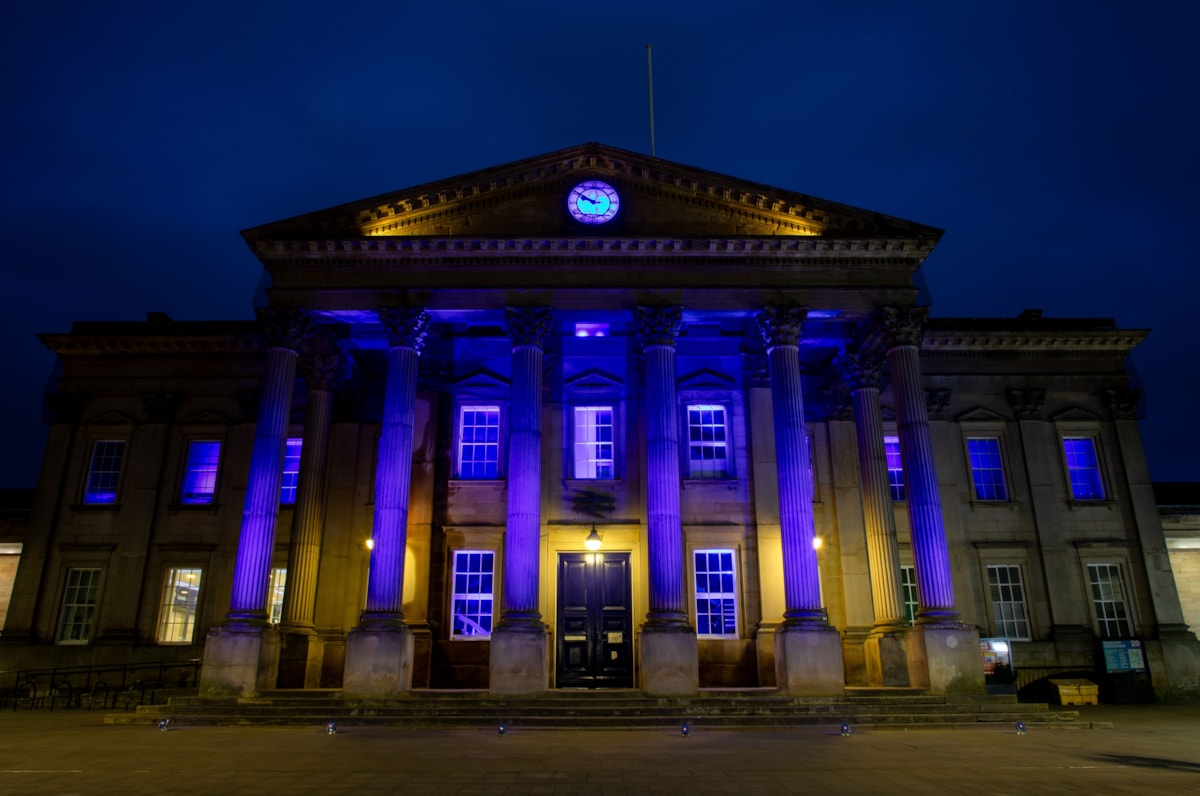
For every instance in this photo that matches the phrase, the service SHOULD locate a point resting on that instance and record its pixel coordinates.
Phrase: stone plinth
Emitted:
(887, 657)
(519, 661)
(670, 662)
(945, 659)
(379, 662)
(239, 660)
(301, 657)
(808, 661)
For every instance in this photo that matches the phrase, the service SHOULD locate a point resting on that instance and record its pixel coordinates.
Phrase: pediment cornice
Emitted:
(1033, 343)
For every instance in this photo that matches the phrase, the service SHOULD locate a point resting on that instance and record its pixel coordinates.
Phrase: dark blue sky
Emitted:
(1056, 146)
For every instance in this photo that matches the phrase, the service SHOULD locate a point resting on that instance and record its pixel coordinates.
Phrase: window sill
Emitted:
(96, 508)
(196, 508)
(1075, 505)
(993, 505)
(727, 483)
(458, 483)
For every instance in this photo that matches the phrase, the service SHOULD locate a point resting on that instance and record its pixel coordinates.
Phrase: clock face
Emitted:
(593, 202)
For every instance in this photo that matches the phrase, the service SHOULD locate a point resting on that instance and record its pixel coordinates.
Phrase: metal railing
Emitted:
(106, 687)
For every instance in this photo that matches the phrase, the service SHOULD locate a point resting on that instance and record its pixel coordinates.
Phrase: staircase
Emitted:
(608, 709)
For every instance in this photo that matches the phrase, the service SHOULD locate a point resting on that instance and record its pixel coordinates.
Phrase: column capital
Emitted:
(862, 370)
(406, 326)
(528, 325)
(285, 328)
(1028, 404)
(1123, 402)
(320, 367)
(901, 326)
(937, 401)
(781, 325)
(658, 325)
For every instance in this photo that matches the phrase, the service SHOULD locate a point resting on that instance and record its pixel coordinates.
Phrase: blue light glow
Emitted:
(591, 330)
(200, 473)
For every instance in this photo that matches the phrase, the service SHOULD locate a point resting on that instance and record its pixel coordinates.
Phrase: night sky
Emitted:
(1057, 148)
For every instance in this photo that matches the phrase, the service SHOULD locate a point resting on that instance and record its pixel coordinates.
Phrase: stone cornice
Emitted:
(74, 345)
(1031, 343)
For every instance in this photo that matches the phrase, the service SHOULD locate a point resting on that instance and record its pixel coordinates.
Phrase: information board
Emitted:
(1123, 655)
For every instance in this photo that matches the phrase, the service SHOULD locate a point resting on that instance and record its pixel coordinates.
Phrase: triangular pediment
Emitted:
(528, 199)
(593, 379)
(111, 418)
(980, 414)
(705, 379)
(1074, 413)
(482, 384)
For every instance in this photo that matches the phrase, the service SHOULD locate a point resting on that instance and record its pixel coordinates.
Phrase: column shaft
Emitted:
(304, 553)
(521, 540)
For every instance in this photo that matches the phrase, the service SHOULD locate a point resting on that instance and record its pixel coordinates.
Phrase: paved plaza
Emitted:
(1150, 749)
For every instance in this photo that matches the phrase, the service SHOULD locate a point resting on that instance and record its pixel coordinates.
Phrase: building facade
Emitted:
(595, 419)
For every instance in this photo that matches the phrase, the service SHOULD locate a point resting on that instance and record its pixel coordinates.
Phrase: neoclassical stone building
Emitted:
(595, 419)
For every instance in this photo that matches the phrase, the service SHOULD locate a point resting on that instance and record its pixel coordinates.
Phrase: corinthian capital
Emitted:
(862, 371)
(1124, 403)
(658, 325)
(1027, 403)
(286, 328)
(901, 326)
(528, 325)
(781, 325)
(406, 326)
(321, 361)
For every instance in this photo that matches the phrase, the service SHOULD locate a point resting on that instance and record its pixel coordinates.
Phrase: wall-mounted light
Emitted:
(592, 542)
(817, 542)
(370, 544)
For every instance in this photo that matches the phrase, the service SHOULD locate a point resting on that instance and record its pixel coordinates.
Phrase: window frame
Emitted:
(454, 595)
(908, 589)
(722, 595)
(894, 488)
(703, 404)
(276, 592)
(613, 443)
(999, 622)
(463, 406)
(170, 584)
(90, 471)
(289, 482)
(1098, 622)
(1093, 438)
(186, 471)
(93, 607)
(976, 436)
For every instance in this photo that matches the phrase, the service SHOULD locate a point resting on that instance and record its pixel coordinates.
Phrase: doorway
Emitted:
(595, 621)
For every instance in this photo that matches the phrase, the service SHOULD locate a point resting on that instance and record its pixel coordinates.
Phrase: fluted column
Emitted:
(406, 329)
(901, 329)
(285, 333)
(528, 328)
(780, 328)
(862, 373)
(658, 328)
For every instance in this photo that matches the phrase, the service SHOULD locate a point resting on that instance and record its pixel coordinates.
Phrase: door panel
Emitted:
(595, 621)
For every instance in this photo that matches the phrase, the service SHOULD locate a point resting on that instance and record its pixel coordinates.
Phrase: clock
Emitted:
(593, 202)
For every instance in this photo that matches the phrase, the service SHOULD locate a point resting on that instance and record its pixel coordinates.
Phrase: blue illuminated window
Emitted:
(716, 594)
(708, 451)
(987, 469)
(594, 442)
(104, 472)
(591, 330)
(471, 600)
(1083, 468)
(200, 473)
(891, 446)
(479, 442)
(291, 471)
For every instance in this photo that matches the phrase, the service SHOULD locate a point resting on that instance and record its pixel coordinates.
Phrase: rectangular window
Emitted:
(177, 611)
(1083, 467)
(291, 471)
(987, 469)
(891, 446)
(471, 602)
(275, 593)
(479, 442)
(79, 606)
(104, 472)
(594, 442)
(1108, 597)
(716, 594)
(200, 473)
(708, 454)
(1008, 601)
(908, 588)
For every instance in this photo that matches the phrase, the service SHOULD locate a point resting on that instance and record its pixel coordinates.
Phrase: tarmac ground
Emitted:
(1150, 749)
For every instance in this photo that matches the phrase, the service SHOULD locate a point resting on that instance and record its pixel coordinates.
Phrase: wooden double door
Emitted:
(595, 621)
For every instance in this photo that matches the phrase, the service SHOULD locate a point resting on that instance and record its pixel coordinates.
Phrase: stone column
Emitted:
(808, 651)
(242, 656)
(670, 663)
(379, 652)
(946, 649)
(887, 644)
(302, 656)
(519, 662)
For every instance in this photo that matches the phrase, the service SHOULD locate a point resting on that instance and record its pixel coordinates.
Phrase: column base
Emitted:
(379, 662)
(239, 660)
(519, 662)
(888, 657)
(945, 659)
(1181, 660)
(301, 658)
(670, 661)
(808, 660)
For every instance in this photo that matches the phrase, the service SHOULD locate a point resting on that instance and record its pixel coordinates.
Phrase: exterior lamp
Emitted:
(371, 544)
(592, 542)
(817, 542)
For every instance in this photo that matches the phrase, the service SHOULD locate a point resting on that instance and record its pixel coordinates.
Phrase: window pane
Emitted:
(908, 585)
(275, 594)
(891, 446)
(471, 602)
(707, 452)
(987, 469)
(1008, 601)
(79, 605)
(200, 473)
(1108, 590)
(594, 442)
(716, 594)
(291, 471)
(104, 472)
(177, 611)
(1083, 468)
(479, 442)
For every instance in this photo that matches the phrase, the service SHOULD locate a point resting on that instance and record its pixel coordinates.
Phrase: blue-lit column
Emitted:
(519, 662)
(808, 652)
(669, 652)
(885, 647)
(379, 652)
(302, 656)
(242, 656)
(950, 648)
